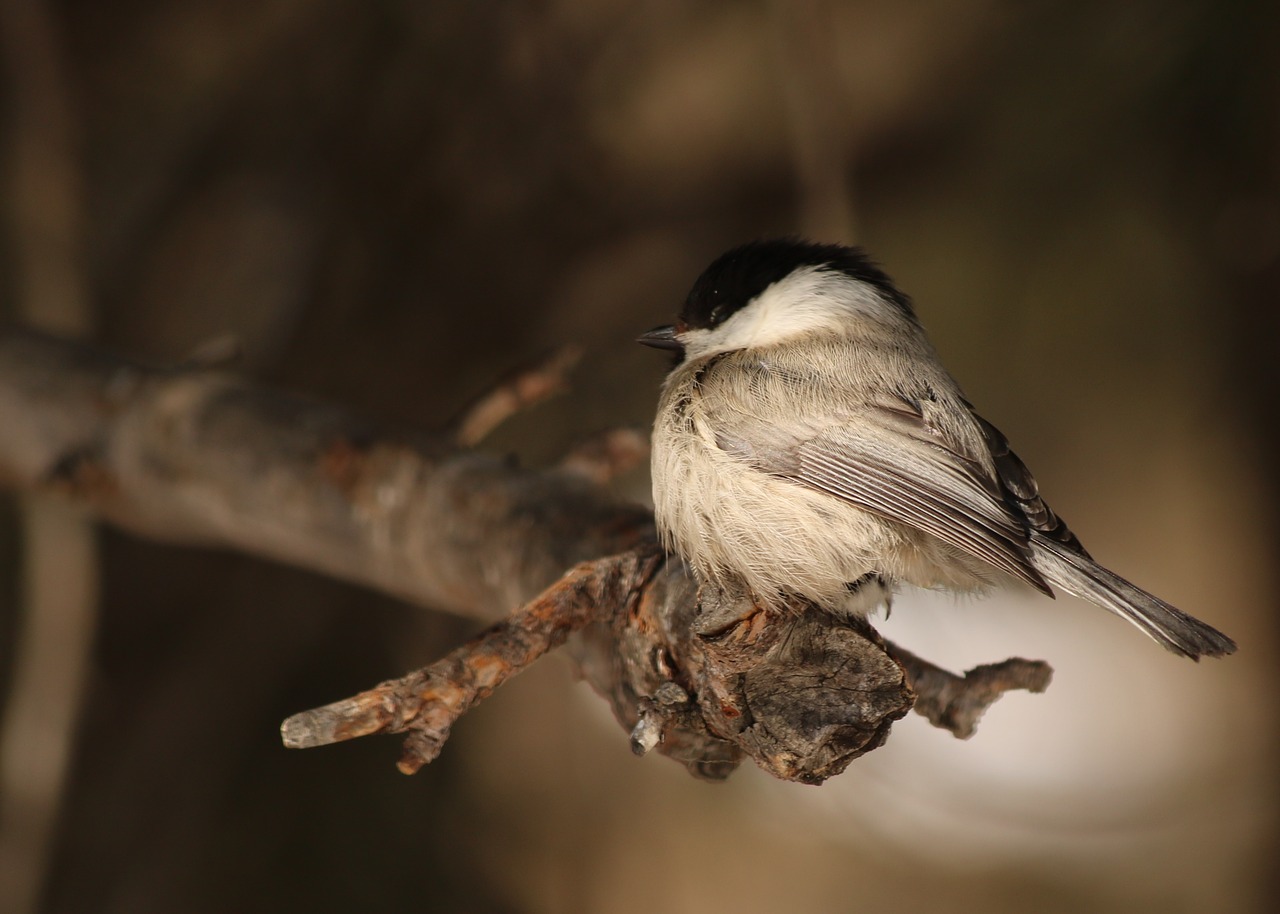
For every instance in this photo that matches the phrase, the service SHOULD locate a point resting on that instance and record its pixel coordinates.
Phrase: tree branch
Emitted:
(429, 701)
(707, 678)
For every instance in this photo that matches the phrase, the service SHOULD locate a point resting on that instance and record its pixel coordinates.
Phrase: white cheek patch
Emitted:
(806, 301)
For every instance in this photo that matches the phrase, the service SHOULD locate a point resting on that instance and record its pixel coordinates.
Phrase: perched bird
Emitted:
(808, 443)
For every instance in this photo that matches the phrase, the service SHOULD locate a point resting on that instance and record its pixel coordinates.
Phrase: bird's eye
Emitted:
(718, 314)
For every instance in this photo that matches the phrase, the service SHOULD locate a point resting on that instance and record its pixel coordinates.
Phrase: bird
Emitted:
(808, 444)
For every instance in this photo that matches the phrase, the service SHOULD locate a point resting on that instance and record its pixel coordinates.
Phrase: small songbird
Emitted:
(809, 444)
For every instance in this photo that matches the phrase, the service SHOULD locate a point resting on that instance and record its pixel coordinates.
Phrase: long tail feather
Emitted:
(1167, 625)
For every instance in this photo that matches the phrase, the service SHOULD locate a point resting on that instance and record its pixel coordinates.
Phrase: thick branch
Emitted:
(200, 456)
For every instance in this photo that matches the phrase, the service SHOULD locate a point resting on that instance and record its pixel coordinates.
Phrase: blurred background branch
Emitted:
(390, 204)
(59, 577)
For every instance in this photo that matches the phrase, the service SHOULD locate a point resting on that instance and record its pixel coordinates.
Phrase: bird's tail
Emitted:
(1167, 625)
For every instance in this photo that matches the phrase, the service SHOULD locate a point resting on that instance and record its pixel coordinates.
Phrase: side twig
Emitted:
(515, 394)
(957, 703)
(426, 703)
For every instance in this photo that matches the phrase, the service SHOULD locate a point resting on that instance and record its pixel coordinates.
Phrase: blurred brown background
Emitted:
(391, 203)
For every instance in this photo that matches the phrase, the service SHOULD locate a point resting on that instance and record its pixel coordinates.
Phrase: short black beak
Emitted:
(661, 338)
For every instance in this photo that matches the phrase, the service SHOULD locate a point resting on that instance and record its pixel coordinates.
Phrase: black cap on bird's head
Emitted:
(738, 277)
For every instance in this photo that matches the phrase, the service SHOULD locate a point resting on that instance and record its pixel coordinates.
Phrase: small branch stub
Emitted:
(957, 703)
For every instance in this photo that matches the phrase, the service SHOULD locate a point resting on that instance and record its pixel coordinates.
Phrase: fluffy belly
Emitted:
(779, 537)
(783, 538)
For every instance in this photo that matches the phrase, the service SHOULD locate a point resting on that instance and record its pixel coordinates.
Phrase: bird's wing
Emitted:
(909, 475)
(904, 458)
(1021, 489)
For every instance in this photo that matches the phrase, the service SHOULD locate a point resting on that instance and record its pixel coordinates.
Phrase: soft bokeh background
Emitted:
(391, 203)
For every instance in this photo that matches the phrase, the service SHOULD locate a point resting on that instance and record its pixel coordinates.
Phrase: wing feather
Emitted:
(922, 490)
(915, 456)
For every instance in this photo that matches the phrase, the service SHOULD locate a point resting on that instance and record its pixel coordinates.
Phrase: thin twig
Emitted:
(526, 388)
(429, 701)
